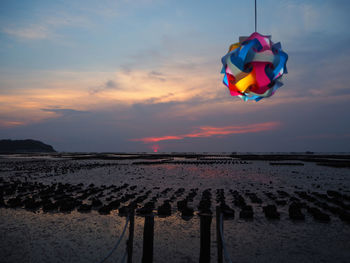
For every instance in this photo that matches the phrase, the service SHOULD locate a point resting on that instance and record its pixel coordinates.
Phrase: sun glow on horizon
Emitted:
(155, 148)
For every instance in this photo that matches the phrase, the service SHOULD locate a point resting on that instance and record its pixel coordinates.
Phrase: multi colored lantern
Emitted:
(253, 67)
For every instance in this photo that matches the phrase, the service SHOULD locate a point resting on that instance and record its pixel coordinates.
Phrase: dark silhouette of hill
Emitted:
(24, 146)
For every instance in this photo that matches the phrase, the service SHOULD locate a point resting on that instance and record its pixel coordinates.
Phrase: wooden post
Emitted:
(131, 234)
(218, 234)
(205, 222)
(148, 232)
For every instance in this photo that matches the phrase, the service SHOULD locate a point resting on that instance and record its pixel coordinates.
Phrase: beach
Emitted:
(49, 210)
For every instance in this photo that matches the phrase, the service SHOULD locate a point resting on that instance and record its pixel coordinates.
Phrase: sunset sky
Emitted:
(144, 75)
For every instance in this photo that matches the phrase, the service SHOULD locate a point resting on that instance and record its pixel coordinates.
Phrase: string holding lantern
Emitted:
(254, 66)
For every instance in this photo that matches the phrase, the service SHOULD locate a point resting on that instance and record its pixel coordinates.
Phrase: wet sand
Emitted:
(279, 208)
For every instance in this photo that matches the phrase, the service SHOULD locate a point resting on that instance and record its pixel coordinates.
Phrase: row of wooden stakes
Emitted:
(205, 239)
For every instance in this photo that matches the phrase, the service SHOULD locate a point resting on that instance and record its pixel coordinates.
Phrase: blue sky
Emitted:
(105, 75)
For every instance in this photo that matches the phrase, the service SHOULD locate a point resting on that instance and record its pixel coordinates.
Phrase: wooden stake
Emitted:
(148, 233)
(218, 234)
(131, 234)
(205, 222)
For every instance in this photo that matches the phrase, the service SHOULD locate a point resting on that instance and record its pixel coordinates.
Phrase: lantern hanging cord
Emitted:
(255, 17)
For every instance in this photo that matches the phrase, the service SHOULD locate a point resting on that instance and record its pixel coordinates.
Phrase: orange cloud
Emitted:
(87, 91)
(209, 131)
(8, 124)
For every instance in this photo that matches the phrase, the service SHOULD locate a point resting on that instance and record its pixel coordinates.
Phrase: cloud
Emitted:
(111, 84)
(108, 85)
(156, 100)
(44, 27)
(210, 131)
(64, 112)
(157, 75)
(29, 32)
(10, 124)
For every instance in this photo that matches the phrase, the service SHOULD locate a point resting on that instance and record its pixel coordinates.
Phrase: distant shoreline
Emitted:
(341, 160)
(24, 146)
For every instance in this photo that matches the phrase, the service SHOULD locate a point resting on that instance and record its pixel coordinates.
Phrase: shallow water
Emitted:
(88, 237)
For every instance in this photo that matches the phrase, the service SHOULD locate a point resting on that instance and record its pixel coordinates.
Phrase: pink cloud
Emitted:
(209, 131)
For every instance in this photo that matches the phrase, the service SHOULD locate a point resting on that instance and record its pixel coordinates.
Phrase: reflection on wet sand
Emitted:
(61, 208)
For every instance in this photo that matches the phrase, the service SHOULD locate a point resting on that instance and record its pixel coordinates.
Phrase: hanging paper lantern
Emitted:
(253, 67)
